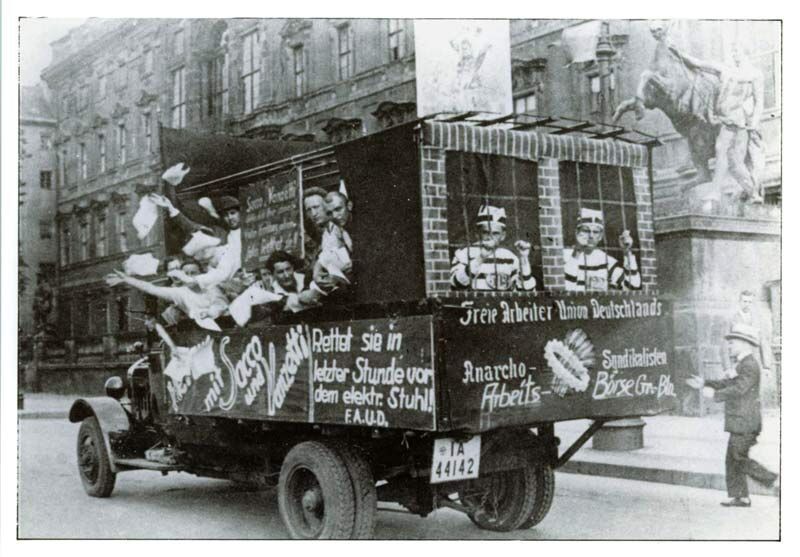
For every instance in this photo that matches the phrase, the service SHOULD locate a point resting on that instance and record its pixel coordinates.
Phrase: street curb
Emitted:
(42, 414)
(702, 480)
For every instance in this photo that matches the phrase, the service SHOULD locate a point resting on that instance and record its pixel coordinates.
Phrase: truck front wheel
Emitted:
(315, 494)
(93, 465)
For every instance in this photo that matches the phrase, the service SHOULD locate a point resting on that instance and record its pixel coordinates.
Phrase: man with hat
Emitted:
(487, 265)
(742, 414)
(588, 268)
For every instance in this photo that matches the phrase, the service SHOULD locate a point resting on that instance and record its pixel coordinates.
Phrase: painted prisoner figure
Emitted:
(590, 269)
(487, 266)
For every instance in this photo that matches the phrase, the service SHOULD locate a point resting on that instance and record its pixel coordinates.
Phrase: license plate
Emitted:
(455, 459)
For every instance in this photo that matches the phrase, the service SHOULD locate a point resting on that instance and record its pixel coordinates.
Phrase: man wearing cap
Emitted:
(229, 256)
(487, 266)
(588, 268)
(742, 414)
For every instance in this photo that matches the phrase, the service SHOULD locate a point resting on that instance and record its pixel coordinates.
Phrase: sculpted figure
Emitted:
(685, 94)
(738, 109)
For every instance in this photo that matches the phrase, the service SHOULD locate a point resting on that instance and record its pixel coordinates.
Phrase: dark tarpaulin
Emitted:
(381, 173)
(211, 157)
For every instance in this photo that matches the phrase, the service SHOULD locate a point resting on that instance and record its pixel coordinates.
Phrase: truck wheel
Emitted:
(93, 465)
(315, 496)
(365, 494)
(545, 492)
(502, 501)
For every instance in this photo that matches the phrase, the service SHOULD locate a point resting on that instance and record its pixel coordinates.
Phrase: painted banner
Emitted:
(463, 65)
(375, 373)
(271, 218)
(516, 361)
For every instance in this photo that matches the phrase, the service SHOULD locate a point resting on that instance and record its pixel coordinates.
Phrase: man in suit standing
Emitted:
(740, 394)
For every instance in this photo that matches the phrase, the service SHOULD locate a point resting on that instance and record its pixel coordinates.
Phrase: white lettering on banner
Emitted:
(634, 358)
(497, 372)
(500, 395)
(254, 371)
(609, 385)
(511, 313)
(365, 416)
(333, 341)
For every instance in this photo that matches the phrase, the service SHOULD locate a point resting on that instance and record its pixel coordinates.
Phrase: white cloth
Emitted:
(230, 261)
(145, 217)
(140, 264)
(199, 242)
(335, 237)
(241, 308)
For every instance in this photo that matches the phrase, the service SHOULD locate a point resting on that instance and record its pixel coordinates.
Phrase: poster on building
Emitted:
(463, 65)
(272, 218)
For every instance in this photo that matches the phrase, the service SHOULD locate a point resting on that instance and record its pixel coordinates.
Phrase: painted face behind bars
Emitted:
(491, 239)
(589, 235)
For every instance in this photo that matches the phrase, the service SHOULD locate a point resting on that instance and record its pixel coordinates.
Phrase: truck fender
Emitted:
(110, 414)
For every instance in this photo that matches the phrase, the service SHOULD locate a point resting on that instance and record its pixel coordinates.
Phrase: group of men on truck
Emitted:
(207, 280)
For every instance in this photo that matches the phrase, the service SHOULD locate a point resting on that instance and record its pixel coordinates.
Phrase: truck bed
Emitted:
(469, 364)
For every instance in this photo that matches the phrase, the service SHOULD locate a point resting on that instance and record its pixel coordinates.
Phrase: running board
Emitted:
(144, 464)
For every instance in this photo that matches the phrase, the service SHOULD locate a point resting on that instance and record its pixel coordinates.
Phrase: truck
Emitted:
(412, 388)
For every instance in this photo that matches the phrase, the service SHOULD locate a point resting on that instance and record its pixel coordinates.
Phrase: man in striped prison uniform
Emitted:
(589, 269)
(487, 266)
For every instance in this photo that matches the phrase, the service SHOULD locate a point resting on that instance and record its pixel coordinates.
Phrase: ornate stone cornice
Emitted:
(294, 27)
(146, 99)
(119, 111)
(97, 121)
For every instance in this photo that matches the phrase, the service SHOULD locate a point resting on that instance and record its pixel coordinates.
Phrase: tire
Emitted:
(94, 467)
(315, 495)
(502, 501)
(364, 492)
(545, 493)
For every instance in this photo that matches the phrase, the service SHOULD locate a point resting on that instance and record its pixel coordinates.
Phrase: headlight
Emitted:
(115, 387)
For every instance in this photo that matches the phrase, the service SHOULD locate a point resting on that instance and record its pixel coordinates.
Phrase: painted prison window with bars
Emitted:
(605, 188)
(475, 180)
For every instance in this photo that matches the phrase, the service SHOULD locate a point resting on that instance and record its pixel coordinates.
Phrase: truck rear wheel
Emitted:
(93, 464)
(315, 494)
(545, 492)
(502, 501)
(365, 494)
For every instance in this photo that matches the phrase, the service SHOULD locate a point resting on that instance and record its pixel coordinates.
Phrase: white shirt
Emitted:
(230, 261)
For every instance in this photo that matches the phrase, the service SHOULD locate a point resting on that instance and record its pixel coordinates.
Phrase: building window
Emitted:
(66, 240)
(299, 62)
(62, 168)
(100, 235)
(121, 230)
(45, 229)
(179, 98)
(396, 43)
(46, 179)
(102, 86)
(148, 61)
(45, 141)
(217, 86)
(528, 103)
(82, 160)
(122, 76)
(147, 127)
(122, 313)
(101, 147)
(346, 52)
(122, 146)
(84, 240)
(251, 71)
(178, 41)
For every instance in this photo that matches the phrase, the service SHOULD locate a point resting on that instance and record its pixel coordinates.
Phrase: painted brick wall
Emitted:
(547, 151)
